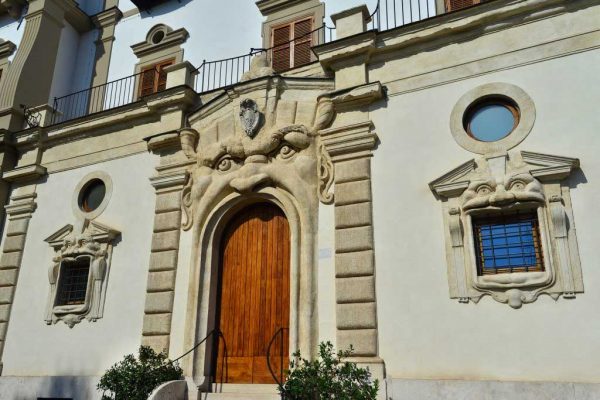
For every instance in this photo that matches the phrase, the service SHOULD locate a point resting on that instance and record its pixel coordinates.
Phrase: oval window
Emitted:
(92, 195)
(491, 120)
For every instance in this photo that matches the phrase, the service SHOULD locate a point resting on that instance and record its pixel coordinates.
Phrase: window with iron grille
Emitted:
(73, 281)
(291, 44)
(508, 243)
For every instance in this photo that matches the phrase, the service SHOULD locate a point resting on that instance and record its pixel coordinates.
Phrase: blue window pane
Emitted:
(491, 122)
(507, 243)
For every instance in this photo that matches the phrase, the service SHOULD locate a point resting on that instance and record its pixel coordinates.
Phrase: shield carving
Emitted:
(249, 116)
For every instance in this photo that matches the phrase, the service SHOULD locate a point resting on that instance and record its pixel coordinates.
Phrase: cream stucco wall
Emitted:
(36, 349)
(326, 274)
(75, 62)
(424, 334)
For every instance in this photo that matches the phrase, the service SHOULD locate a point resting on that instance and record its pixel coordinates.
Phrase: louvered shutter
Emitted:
(147, 81)
(302, 42)
(453, 5)
(281, 48)
(162, 76)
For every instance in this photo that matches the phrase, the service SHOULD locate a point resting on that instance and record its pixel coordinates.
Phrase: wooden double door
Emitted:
(254, 296)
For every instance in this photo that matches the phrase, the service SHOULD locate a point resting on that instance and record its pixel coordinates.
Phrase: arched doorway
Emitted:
(254, 295)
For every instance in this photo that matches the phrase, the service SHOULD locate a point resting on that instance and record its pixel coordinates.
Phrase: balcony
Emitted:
(220, 74)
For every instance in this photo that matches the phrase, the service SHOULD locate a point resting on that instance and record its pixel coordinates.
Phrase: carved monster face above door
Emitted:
(241, 155)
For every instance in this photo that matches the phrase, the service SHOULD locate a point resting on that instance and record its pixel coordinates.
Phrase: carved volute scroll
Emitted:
(503, 184)
(93, 244)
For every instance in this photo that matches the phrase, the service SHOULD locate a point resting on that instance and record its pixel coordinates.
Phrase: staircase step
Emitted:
(240, 391)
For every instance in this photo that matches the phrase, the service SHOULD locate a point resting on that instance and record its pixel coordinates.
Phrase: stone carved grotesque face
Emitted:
(516, 185)
(82, 244)
(283, 157)
(243, 165)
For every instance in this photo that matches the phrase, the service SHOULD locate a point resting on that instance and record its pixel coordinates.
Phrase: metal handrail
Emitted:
(117, 93)
(224, 363)
(281, 356)
(219, 74)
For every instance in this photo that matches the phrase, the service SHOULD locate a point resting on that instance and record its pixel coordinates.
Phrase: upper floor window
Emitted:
(291, 44)
(507, 243)
(154, 78)
(73, 281)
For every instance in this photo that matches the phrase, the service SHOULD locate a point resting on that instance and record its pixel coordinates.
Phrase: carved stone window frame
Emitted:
(508, 182)
(94, 241)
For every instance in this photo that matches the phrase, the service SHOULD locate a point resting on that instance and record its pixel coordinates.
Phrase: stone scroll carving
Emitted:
(504, 183)
(92, 243)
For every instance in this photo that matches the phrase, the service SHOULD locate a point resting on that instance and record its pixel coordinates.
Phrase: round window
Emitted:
(92, 195)
(158, 37)
(491, 120)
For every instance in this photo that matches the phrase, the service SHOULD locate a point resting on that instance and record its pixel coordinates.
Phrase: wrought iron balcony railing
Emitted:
(111, 95)
(213, 75)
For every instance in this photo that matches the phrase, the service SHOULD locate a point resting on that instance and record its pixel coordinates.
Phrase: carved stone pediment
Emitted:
(92, 244)
(504, 183)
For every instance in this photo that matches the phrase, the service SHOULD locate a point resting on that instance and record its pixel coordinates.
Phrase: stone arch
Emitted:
(201, 310)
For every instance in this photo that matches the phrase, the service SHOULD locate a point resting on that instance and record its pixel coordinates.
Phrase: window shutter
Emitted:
(302, 42)
(147, 81)
(453, 5)
(162, 76)
(281, 48)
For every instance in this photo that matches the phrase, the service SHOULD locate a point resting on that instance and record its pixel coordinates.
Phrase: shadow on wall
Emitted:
(165, 8)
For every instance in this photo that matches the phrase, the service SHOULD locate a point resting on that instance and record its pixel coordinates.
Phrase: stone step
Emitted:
(240, 391)
(237, 396)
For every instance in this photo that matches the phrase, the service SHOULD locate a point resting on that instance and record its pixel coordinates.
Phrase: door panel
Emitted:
(254, 295)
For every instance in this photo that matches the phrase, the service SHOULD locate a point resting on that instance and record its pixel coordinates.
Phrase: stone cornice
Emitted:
(107, 18)
(357, 96)
(267, 7)
(172, 38)
(23, 174)
(484, 18)
(349, 141)
(361, 45)
(7, 48)
(175, 180)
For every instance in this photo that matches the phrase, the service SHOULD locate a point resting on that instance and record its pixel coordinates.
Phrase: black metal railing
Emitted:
(212, 75)
(280, 333)
(224, 361)
(100, 98)
(390, 14)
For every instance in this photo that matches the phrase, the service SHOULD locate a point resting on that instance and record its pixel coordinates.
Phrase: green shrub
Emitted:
(328, 377)
(134, 379)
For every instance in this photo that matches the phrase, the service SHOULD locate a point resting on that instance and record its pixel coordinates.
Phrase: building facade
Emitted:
(412, 178)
